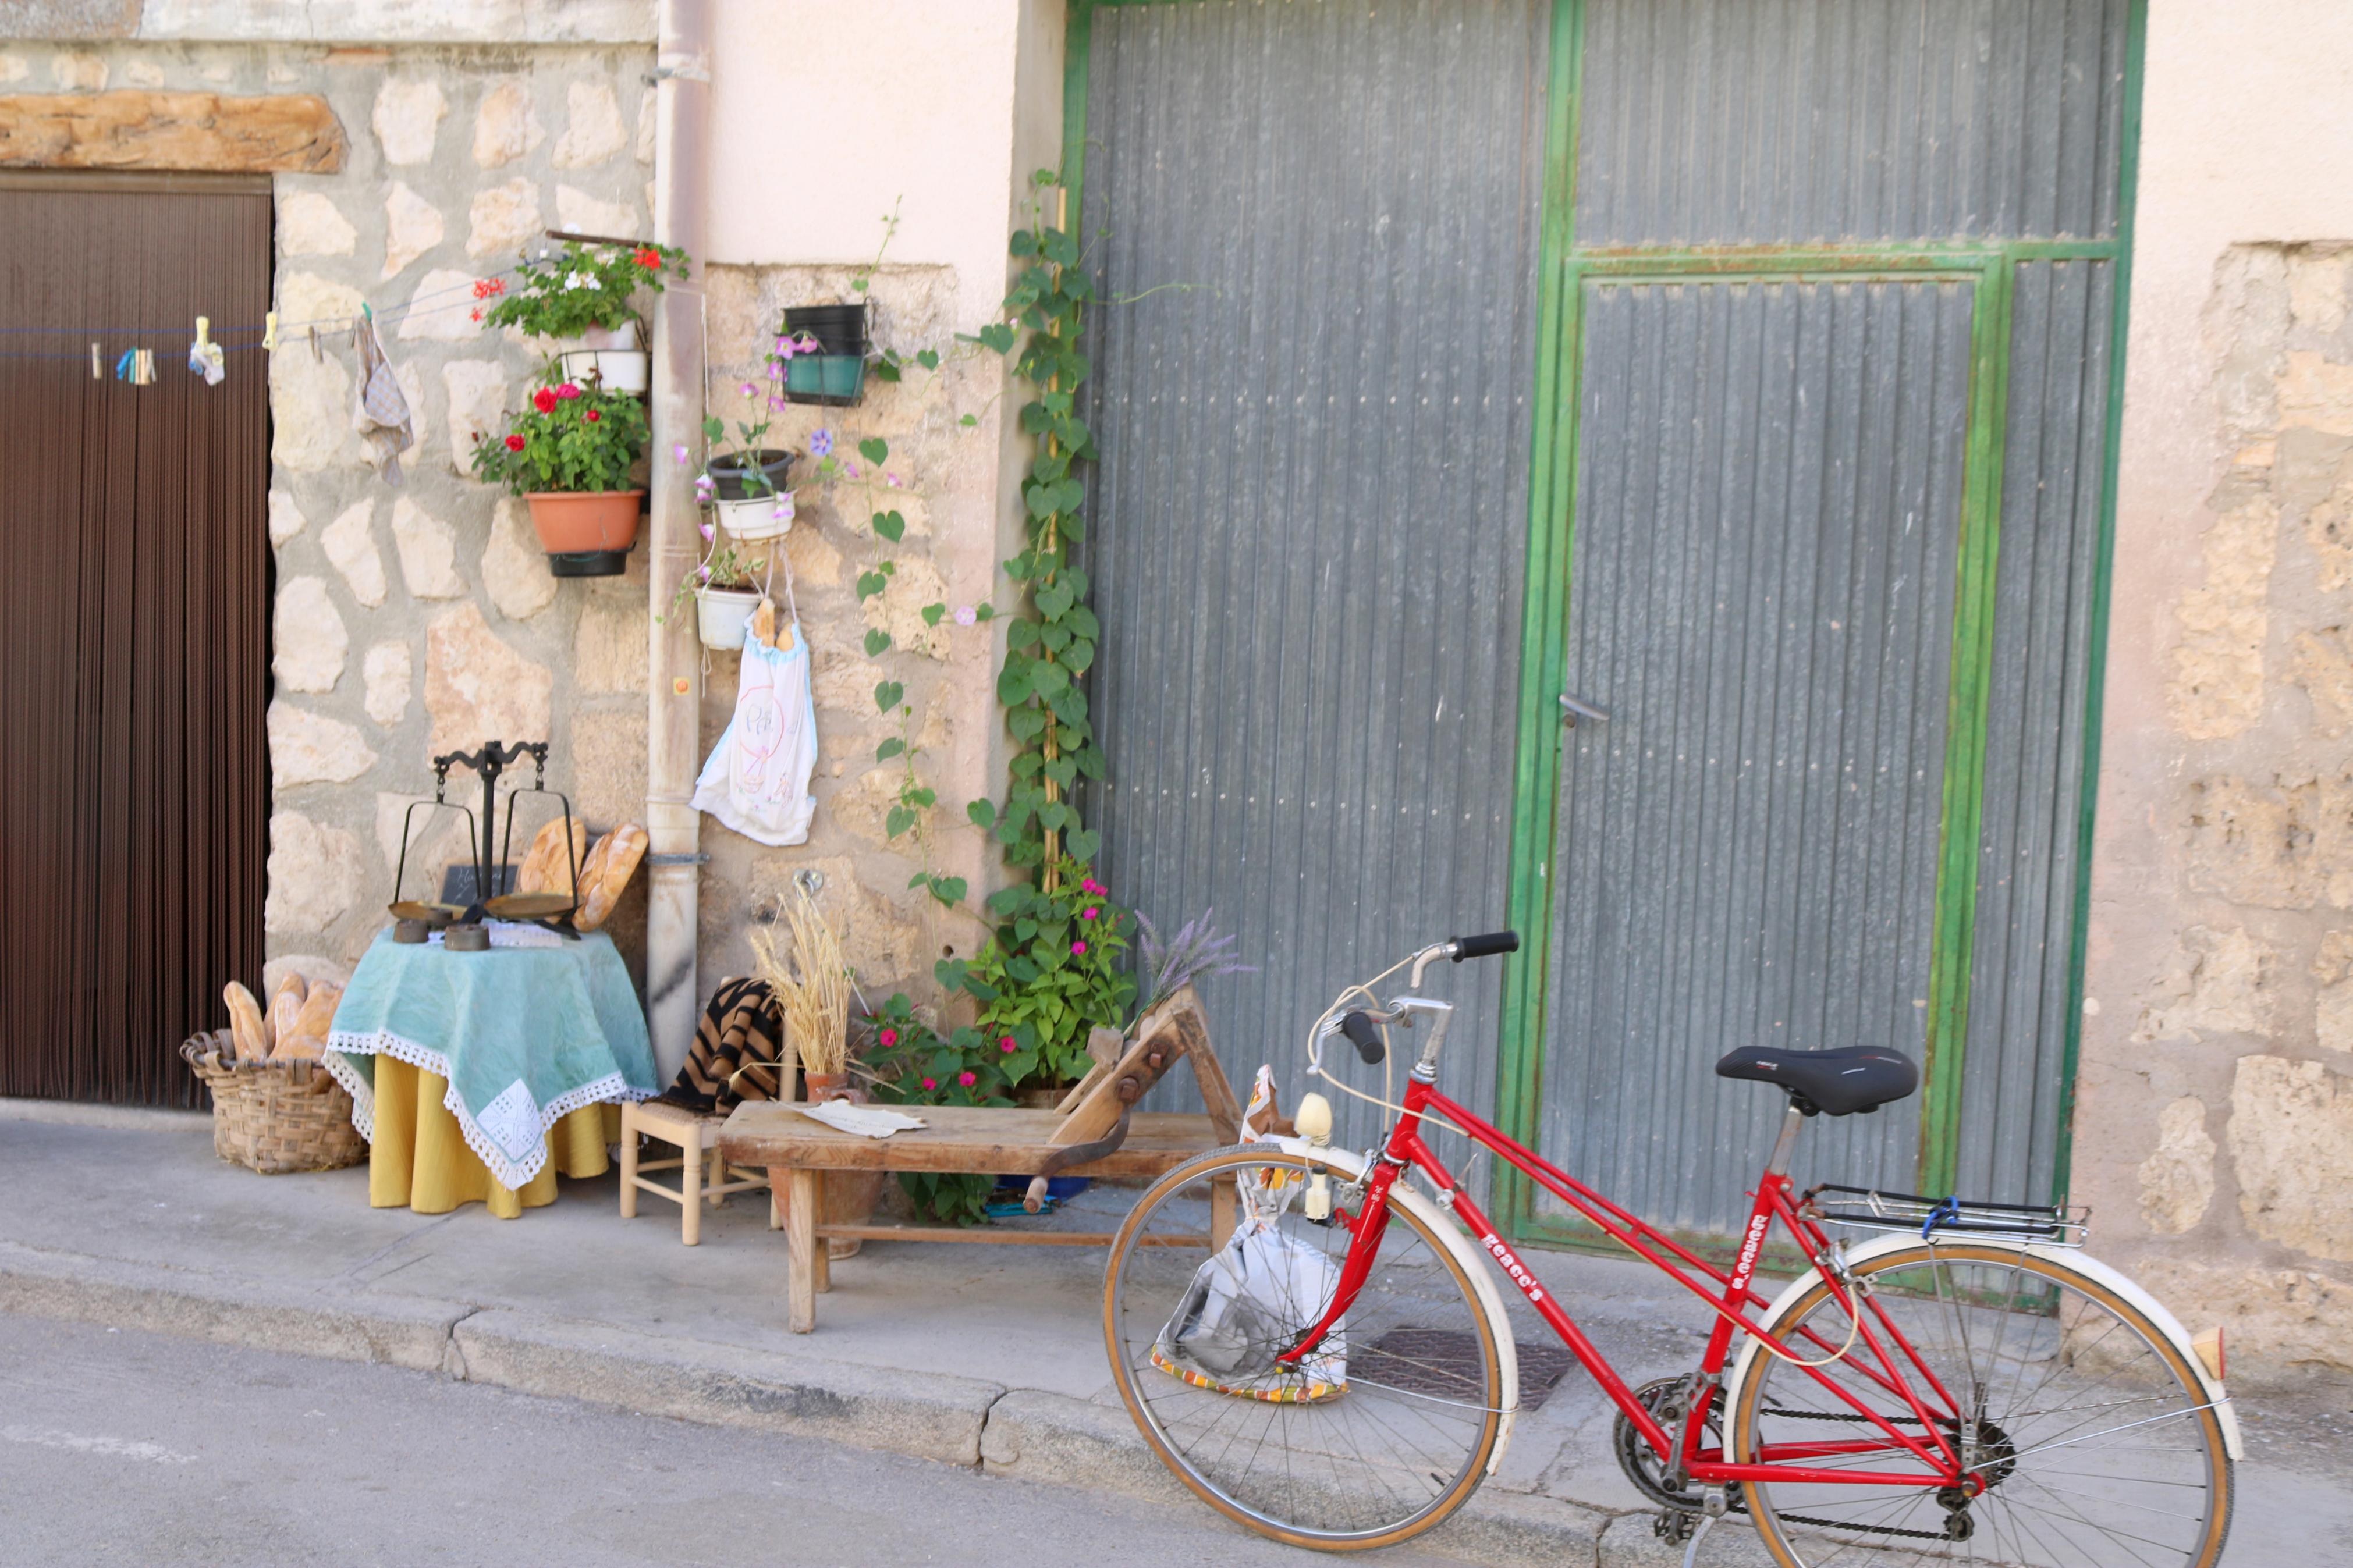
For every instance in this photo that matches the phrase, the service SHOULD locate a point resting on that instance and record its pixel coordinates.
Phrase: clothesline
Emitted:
(391, 312)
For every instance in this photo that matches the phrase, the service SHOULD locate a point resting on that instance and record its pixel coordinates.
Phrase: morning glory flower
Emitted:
(964, 616)
(821, 444)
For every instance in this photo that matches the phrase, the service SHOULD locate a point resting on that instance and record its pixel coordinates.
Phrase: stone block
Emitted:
(649, 126)
(609, 649)
(2177, 1180)
(309, 411)
(308, 642)
(311, 748)
(412, 225)
(608, 766)
(2315, 287)
(479, 688)
(135, 129)
(2322, 664)
(2316, 393)
(2285, 1323)
(2291, 1136)
(2221, 983)
(389, 669)
(2216, 689)
(582, 214)
(593, 133)
(503, 220)
(408, 114)
(314, 875)
(2329, 534)
(350, 544)
(428, 553)
(2284, 844)
(898, 609)
(2332, 1020)
(286, 519)
(515, 568)
(442, 309)
(309, 224)
(478, 397)
(505, 128)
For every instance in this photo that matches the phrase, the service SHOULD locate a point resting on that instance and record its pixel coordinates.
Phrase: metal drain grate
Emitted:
(1443, 1363)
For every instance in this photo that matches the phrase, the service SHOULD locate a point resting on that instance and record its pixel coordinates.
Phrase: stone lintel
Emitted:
(286, 134)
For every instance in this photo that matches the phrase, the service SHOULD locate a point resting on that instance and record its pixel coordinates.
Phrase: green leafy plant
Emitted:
(571, 438)
(586, 287)
(1048, 977)
(908, 1062)
(721, 566)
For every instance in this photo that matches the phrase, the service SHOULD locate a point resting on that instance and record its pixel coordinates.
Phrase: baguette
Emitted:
(606, 875)
(247, 1029)
(309, 1040)
(543, 869)
(285, 1006)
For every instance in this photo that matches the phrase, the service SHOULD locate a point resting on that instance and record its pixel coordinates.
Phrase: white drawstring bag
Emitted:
(758, 779)
(1256, 1296)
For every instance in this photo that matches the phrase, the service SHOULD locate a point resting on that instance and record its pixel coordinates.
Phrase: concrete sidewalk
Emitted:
(967, 1356)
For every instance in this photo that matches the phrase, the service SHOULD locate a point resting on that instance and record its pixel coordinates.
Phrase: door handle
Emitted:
(1572, 710)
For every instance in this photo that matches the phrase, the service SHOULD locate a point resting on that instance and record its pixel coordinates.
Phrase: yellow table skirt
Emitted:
(419, 1159)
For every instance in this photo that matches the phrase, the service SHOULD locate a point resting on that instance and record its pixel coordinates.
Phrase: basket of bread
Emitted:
(275, 1107)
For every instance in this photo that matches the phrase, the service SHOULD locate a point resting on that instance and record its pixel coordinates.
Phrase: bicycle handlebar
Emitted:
(1486, 946)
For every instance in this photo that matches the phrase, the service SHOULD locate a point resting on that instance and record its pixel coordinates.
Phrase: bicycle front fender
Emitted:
(2065, 1258)
(1350, 1167)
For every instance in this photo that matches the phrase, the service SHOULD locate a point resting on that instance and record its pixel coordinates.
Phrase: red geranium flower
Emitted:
(514, 443)
(544, 400)
(650, 259)
(593, 416)
(486, 287)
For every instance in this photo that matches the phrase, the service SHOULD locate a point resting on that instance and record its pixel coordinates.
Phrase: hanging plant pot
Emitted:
(838, 329)
(721, 615)
(586, 533)
(757, 516)
(730, 474)
(836, 380)
(626, 370)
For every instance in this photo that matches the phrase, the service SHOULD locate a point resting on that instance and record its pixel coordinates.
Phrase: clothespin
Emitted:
(97, 365)
(143, 367)
(764, 621)
(203, 330)
(268, 331)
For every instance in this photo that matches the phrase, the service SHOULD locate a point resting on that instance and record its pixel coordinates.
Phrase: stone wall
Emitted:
(417, 619)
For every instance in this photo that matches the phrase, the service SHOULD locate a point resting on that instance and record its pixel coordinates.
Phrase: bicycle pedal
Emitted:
(1672, 1527)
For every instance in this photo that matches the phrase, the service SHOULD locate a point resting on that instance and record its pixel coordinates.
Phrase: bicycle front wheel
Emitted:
(1379, 1434)
(2087, 1430)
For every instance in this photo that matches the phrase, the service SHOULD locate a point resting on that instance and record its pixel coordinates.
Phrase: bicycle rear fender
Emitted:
(2066, 1258)
(1350, 1167)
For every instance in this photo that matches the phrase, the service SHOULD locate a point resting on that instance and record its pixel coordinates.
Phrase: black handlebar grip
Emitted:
(1494, 942)
(1363, 1034)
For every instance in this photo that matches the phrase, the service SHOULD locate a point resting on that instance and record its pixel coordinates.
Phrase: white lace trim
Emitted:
(509, 1174)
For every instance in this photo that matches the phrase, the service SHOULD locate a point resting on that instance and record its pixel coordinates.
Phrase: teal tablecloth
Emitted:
(524, 1034)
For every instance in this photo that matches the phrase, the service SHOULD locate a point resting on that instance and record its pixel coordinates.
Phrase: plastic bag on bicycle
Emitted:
(1254, 1297)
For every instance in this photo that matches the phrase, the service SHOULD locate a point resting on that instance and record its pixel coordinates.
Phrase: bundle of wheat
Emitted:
(811, 985)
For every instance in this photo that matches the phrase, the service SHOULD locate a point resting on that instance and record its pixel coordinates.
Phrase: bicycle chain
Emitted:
(1841, 1523)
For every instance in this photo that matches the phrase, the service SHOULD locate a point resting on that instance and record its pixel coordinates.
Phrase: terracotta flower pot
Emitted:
(571, 522)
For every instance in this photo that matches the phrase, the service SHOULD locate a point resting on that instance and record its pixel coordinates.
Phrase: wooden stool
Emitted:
(702, 1174)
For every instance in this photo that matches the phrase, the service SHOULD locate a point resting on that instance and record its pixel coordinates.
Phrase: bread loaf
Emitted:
(285, 1006)
(247, 1029)
(543, 869)
(606, 875)
(307, 1042)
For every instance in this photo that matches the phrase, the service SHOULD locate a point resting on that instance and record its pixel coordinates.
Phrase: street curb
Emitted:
(400, 1331)
(929, 1416)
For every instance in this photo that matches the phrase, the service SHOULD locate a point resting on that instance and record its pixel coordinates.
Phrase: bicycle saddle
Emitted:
(1840, 1082)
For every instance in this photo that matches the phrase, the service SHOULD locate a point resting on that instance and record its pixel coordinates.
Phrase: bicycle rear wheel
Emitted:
(2091, 1433)
(1382, 1438)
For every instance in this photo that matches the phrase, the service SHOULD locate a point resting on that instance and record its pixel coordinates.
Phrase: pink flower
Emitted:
(568, 391)
(749, 390)
(930, 1083)
(889, 1036)
(707, 531)
(1090, 912)
(967, 1079)
(964, 616)
(891, 479)
(1078, 947)
(678, 453)
(1007, 1045)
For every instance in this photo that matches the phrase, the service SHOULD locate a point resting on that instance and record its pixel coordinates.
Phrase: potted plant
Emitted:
(823, 349)
(587, 289)
(812, 986)
(570, 454)
(744, 482)
(725, 588)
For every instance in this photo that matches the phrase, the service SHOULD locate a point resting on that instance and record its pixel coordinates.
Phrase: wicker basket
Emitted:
(275, 1117)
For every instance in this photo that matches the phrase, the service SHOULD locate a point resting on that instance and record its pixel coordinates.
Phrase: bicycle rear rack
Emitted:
(1867, 1208)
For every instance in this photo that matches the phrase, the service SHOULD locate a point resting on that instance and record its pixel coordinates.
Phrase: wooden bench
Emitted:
(1094, 1132)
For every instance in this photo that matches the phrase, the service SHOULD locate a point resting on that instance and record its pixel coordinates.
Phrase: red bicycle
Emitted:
(1966, 1385)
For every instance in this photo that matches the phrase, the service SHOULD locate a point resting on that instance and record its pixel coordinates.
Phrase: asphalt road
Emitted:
(132, 1449)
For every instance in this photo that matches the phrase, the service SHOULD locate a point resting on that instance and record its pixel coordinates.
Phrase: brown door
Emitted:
(134, 604)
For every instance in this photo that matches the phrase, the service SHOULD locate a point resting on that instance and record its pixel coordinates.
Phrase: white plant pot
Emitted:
(626, 371)
(757, 516)
(722, 613)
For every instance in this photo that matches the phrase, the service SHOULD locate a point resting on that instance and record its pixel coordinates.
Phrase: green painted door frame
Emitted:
(1566, 269)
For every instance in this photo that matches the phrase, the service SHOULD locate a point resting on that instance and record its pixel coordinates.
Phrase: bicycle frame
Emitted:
(1730, 1294)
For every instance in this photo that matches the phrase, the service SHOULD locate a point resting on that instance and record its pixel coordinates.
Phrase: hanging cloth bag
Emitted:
(757, 778)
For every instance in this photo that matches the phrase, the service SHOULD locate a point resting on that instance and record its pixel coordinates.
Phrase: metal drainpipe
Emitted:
(674, 665)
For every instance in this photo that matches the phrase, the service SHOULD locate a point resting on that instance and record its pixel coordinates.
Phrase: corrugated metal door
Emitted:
(133, 630)
(1318, 223)
(1838, 307)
